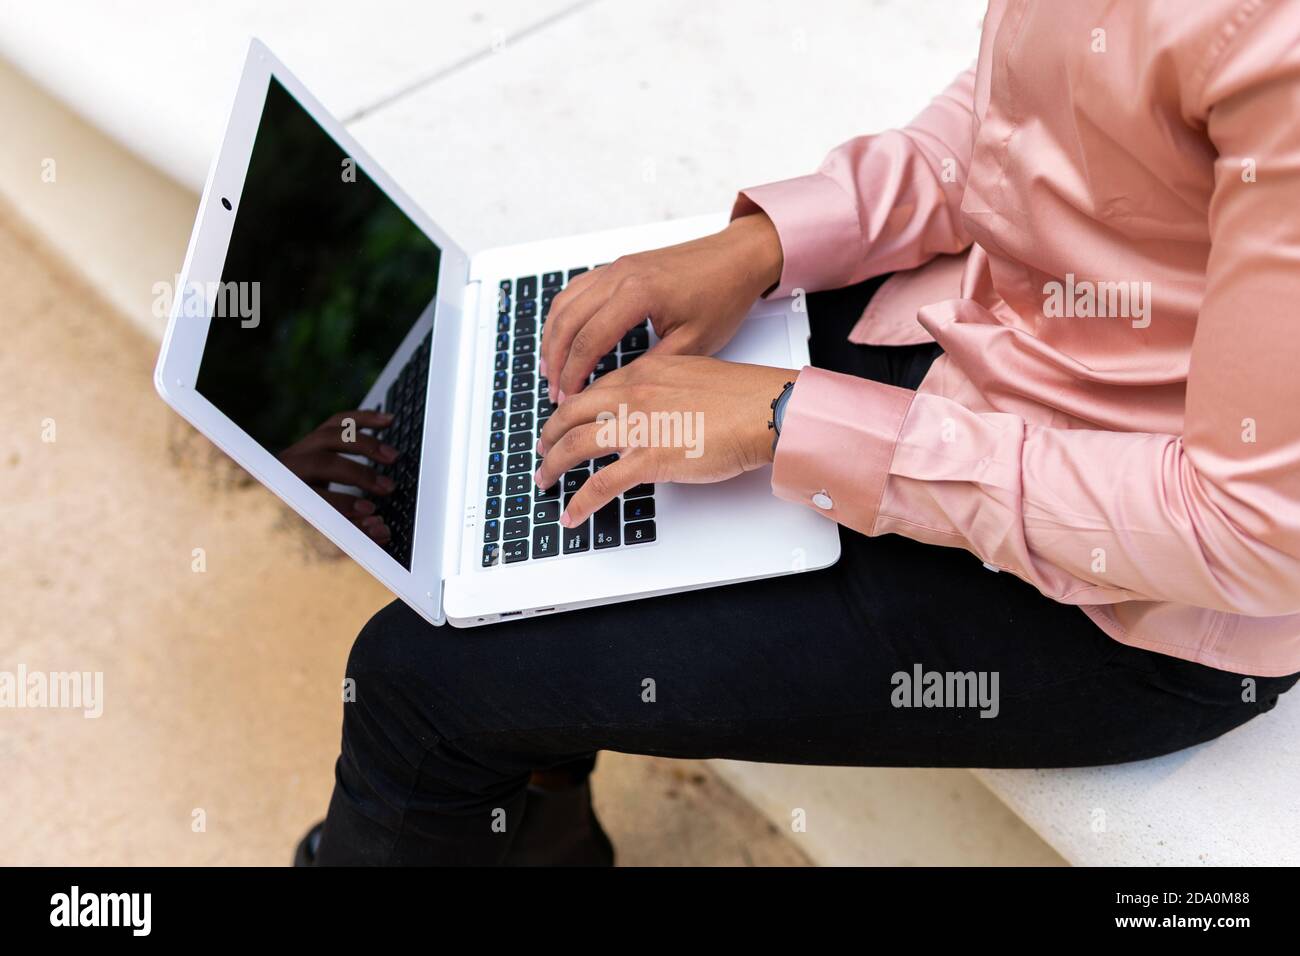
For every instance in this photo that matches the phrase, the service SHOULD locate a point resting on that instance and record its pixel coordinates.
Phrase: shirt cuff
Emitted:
(837, 443)
(817, 223)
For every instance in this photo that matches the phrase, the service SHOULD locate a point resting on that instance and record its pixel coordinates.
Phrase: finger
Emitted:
(608, 483)
(568, 314)
(345, 471)
(575, 287)
(359, 443)
(599, 334)
(580, 444)
(364, 418)
(375, 527)
(350, 506)
(578, 410)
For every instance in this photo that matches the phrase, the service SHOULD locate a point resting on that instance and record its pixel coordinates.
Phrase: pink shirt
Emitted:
(1106, 210)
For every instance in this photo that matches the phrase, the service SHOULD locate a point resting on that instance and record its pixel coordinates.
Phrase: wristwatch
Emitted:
(778, 412)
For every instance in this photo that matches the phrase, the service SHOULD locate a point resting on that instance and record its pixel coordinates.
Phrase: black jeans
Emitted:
(448, 723)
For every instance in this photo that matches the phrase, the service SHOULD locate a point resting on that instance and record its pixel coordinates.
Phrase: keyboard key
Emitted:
(498, 421)
(640, 532)
(521, 363)
(546, 512)
(552, 280)
(502, 362)
(491, 555)
(604, 462)
(521, 422)
(544, 408)
(493, 485)
(525, 325)
(637, 340)
(497, 441)
(522, 462)
(606, 526)
(526, 287)
(520, 441)
(606, 365)
(503, 342)
(523, 382)
(503, 323)
(577, 539)
(574, 480)
(639, 491)
(493, 508)
(495, 462)
(525, 344)
(516, 505)
(516, 528)
(521, 401)
(627, 357)
(638, 508)
(574, 273)
(546, 541)
(499, 380)
(550, 494)
(498, 401)
(516, 551)
(518, 484)
(491, 531)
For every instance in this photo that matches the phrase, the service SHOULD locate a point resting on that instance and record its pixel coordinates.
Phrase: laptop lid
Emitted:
(310, 281)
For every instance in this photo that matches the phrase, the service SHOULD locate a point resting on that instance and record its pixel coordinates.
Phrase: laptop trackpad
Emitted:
(763, 339)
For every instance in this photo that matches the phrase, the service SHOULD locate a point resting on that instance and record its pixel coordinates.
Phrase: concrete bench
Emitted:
(541, 117)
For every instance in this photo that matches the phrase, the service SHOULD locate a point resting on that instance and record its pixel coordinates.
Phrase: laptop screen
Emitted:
(324, 278)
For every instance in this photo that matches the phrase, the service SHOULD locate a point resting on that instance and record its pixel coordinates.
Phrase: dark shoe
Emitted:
(560, 828)
(305, 855)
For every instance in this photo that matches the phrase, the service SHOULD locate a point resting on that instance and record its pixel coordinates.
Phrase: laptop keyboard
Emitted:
(521, 521)
(405, 402)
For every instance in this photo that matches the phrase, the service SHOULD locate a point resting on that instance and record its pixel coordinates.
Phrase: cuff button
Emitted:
(823, 500)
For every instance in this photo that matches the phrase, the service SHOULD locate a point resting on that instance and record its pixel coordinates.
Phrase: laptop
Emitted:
(315, 289)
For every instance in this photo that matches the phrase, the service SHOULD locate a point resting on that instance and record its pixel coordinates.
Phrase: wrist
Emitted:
(762, 435)
(759, 246)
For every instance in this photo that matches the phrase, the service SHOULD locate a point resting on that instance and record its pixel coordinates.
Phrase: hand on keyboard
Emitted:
(670, 417)
(317, 458)
(695, 295)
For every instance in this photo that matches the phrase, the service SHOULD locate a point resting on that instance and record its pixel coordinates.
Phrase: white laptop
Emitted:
(314, 286)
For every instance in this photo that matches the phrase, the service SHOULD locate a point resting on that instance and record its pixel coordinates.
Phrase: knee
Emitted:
(403, 668)
(381, 650)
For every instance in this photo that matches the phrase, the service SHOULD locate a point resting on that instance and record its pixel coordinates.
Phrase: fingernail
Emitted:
(388, 451)
(537, 479)
(541, 367)
(550, 393)
(385, 483)
(364, 507)
(559, 397)
(539, 449)
(567, 520)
